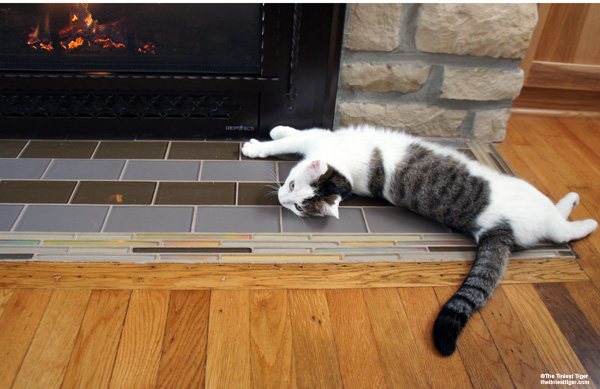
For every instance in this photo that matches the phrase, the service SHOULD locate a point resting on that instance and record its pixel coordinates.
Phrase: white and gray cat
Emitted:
(500, 212)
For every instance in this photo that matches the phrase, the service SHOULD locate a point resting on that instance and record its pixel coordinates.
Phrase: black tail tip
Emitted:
(445, 333)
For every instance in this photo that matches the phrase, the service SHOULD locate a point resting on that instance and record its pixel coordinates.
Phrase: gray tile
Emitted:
(162, 170)
(84, 169)
(284, 170)
(22, 168)
(351, 221)
(237, 219)
(62, 218)
(149, 219)
(401, 220)
(238, 171)
(8, 215)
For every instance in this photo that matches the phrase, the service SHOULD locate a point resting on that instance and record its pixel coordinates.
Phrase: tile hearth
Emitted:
(198, 201)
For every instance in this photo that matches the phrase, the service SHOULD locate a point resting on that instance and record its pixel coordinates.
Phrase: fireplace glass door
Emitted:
(160, 38)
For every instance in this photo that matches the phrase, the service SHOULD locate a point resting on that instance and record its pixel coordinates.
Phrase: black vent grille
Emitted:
(118, 105)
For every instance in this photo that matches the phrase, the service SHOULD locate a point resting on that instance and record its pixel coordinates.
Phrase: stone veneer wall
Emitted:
(446, 70)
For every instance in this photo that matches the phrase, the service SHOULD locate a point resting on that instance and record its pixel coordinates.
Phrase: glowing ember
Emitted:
(147, 48)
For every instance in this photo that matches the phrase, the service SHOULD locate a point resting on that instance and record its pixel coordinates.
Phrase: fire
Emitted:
(84, 32)
(41, 40)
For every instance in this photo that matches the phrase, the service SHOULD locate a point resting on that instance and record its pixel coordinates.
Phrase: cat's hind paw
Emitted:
(254, 149)
(282, 132)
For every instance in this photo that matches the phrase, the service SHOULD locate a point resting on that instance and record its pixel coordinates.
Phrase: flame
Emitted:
(84, 31)
(36, 43)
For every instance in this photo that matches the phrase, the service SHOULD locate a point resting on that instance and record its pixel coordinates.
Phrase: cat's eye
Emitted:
(299, 208)
(292, 185)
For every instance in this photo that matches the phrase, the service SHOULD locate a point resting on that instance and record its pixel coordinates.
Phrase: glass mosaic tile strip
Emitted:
(33, 249)
(282, 251)
(102, 236)
(376, 243)
(369, 250)
(142, 259)
(35, 236)
(371, 258)
(282, 244)
(99, 250)
(193, 243)
(283, 237)
(19, 242)
(281, 258)
(194, 236)
(192, 250)
(132, 243)
(15, 256)
(445, 249)
(171, 258)
(368, 237)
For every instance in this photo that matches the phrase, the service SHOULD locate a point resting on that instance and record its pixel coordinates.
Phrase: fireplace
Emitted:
(183, 70)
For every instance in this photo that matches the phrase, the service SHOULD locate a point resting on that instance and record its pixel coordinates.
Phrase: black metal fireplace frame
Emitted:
(296, 86)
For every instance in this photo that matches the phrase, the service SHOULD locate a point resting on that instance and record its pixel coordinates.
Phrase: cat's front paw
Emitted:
(254, 149)
(281, 132)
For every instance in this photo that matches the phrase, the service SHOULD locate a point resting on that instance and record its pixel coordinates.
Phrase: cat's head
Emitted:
(314, 188)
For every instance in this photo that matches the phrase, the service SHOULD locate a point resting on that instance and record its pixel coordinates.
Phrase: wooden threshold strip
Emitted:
(271, 276)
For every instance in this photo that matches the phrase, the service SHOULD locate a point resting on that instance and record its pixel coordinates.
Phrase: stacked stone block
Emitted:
(445, 70)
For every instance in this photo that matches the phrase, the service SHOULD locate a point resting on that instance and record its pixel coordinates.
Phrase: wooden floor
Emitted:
(317, 326)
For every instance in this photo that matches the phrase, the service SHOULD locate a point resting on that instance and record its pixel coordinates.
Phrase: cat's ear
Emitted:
(316, 169)
(332, 210)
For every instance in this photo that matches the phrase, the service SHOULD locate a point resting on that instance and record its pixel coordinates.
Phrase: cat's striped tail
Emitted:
(493, 251)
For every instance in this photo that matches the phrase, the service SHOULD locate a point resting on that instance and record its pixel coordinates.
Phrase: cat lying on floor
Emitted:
(500, 212)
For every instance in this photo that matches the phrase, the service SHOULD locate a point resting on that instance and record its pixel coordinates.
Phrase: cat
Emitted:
(502, 213)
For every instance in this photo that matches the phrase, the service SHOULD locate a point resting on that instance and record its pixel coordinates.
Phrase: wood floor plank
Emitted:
(587, 297)
(360, 366)
(177, 276)
(512, 341)
(402, 364)
(139, 351)
(589, 257)
(48, 356)
(578, 331)
(228, 348)
(551, 344)
(96, 346)
(5, 295)
(183, 358)
(19, 322)
(314, 346)
(422, 307)
(478, 351)
(550, 140)
(272, 355)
